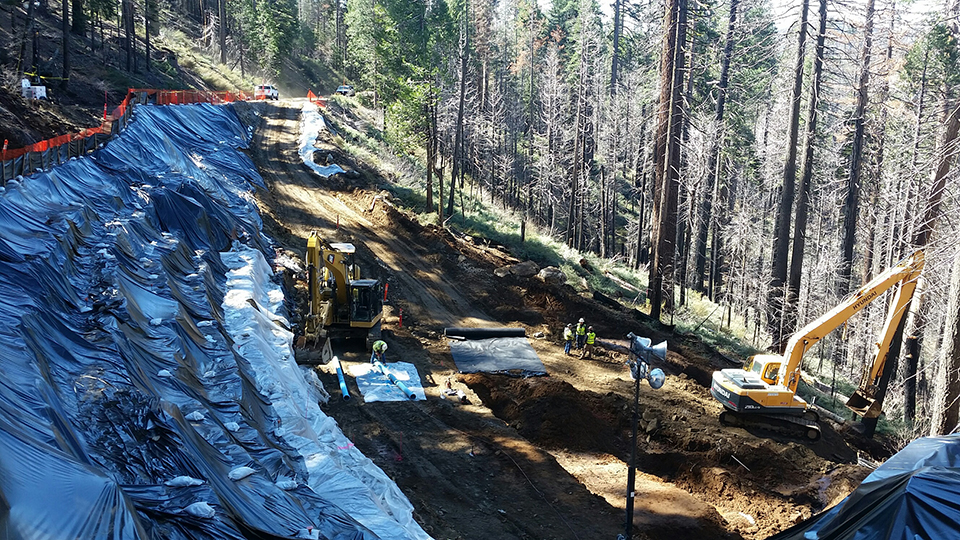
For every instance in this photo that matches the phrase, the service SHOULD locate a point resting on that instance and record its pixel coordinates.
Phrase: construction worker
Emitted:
(567, 338)
(379, 348)
(591, 339)
(581, 333)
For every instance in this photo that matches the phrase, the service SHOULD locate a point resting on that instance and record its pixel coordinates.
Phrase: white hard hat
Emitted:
(384, 346)
(581, 319)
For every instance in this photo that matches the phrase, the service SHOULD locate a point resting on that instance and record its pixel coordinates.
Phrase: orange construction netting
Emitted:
(162, 97)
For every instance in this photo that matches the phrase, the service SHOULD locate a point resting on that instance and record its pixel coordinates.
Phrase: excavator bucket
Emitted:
(864, 404)
(307, 352)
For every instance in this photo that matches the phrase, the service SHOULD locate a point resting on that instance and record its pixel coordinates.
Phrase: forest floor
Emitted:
(541, 457)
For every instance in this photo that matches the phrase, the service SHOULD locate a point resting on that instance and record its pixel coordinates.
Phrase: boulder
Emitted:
(526, 269)
(552, 275)
(503, 271)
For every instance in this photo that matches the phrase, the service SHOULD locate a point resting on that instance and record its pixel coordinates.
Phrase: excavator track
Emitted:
(798, 427)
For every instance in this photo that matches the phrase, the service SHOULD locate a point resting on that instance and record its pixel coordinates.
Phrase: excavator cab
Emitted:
(365, 305)
(766, 366)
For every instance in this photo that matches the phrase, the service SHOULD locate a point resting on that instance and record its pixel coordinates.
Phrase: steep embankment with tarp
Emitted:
(147, 386)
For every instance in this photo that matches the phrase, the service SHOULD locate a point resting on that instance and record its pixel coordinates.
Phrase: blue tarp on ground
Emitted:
(913, 495)
(147, 385)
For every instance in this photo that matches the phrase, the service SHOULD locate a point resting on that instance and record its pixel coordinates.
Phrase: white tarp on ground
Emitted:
(333, 462)
(375, 386)
(311, 124)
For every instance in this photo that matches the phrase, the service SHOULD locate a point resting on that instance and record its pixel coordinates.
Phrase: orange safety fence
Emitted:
(319, 100)
(160, 97)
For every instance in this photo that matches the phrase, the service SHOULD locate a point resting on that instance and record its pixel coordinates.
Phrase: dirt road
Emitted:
(542, 457)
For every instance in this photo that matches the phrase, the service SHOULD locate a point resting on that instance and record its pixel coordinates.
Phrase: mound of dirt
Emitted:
(554, 414)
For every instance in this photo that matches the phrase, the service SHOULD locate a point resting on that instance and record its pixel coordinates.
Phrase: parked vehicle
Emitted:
(266, 91)
(346, 90)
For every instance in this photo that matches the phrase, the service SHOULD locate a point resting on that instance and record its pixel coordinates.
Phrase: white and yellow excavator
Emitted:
(340, 303)
(764, 393)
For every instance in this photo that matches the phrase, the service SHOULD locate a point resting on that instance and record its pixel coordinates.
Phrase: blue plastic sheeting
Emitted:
(506, 355)
(913, 495)
(147, 384)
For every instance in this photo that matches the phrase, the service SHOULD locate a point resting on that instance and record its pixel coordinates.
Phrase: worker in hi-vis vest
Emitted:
(379, 348)
(591, 339)
(581, 333)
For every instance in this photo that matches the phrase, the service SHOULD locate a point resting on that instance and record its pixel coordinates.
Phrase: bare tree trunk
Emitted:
(458, 132)
(946, 396)
(806, 177)
(78, 18)
(65, 30)
(706, 213)
(614, 62)
(27, 35)
(150, 15)
(781, 230)
(222, 15)
(852, 202)
(127, 16)
(432, 144)
(667, 156)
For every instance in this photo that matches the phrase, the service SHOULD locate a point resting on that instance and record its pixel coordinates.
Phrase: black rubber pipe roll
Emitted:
(484, 333)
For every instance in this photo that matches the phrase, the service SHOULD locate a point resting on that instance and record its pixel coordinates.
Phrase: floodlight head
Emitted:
(641, 370)
(644, 353)
(638, 344)
(656, 378)
(659, 351)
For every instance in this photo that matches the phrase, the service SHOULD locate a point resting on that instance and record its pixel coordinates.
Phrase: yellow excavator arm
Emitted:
(905, 273)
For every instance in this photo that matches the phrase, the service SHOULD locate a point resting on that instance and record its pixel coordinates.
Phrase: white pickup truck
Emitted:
(266, 91)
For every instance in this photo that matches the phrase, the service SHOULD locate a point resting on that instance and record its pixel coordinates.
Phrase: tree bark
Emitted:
(78, 18)
(852, 201)
(222, 16)
(614, 62)
(127, 16)
(667, 156)
(781, 230)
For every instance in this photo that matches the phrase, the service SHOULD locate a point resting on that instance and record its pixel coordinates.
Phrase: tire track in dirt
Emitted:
(298, 198)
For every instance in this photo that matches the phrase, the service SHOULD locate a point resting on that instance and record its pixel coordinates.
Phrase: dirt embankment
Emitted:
(540, 457)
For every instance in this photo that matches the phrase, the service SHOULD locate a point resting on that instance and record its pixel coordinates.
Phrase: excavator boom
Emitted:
(767, 386)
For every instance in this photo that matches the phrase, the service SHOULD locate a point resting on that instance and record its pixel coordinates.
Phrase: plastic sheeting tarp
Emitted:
(508, 355)
(311, 124)
(375, 386)
(147, 382)
(913, 495)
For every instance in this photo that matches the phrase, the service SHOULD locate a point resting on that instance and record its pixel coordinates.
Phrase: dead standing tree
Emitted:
(667, 157)
(706, 206)
(781, 230)
(806, 177)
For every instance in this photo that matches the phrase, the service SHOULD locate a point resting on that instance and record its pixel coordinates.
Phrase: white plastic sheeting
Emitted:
(251, 305)
(375, 386)
(312, 123)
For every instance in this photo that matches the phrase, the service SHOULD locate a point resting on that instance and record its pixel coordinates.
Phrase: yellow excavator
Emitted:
(340, 303)
(764, 393)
